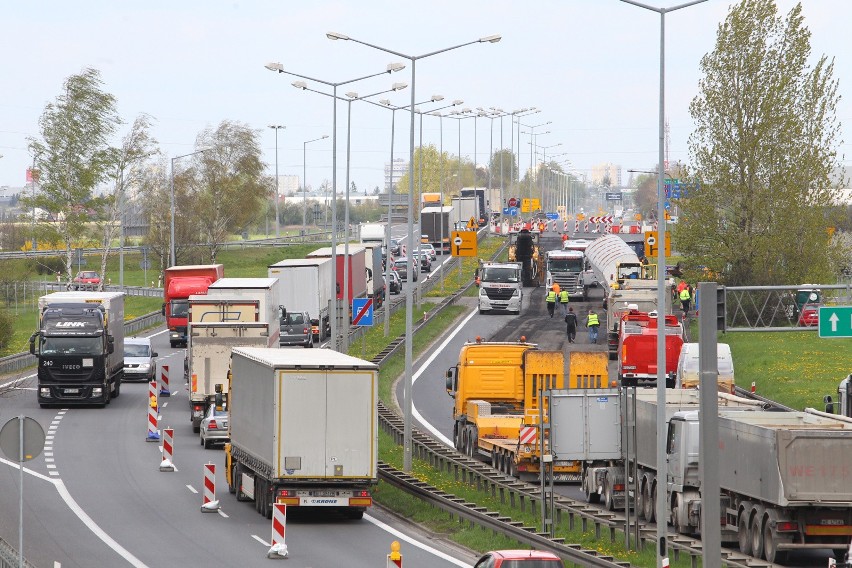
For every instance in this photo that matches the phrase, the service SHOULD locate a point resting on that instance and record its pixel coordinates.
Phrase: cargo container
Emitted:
(304, 429)
(304, 285)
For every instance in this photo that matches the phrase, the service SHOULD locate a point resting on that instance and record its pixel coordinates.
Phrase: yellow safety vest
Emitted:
(684, 294)
(563, 296)
(551, 297)
(593, 320)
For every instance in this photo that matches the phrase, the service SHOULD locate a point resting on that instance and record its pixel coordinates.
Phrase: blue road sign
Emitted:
(511, 211)
(552, 216)
(362, 311)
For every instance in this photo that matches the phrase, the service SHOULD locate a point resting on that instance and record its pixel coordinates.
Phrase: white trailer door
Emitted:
(302, 420)
(351, 423)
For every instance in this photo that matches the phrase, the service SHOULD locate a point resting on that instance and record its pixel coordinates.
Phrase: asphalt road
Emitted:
(96, 497)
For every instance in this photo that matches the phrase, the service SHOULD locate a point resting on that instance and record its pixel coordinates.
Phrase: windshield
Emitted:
(180, 308)
(295, 319)
(136, 350)
(504, 275)
(566, 265)
(72, 346)
(400, 263)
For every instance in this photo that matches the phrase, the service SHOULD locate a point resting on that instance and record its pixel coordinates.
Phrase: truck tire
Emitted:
(609, 498)
(770, 547)
(743, 529)
(173, 344)
(648, 500)
(117, 390)
(591, 496)
(757, 532)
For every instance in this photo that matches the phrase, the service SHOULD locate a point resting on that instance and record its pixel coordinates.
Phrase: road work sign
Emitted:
(463, 243)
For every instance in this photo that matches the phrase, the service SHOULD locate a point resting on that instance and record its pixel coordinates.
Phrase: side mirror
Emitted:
(32, 343)
(829, 403)
(155, 354)
(163, 309)
(451, 381)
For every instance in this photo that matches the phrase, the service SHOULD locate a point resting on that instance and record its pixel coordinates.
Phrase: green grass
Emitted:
(794, 368)
(25, 321)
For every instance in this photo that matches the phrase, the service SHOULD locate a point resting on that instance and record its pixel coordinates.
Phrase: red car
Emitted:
(519, 559)
(86, 280)
(809, 316)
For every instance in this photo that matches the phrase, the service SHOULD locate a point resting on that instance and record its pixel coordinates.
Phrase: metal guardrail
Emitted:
(20, 361)
(9, 557)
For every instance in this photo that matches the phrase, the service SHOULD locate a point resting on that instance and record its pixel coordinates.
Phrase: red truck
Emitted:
(357, 269)
(180, 283)
(637, 354)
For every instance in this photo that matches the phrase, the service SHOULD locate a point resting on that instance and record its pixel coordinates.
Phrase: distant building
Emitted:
(392, 176)
(288, 185)
(604, 171)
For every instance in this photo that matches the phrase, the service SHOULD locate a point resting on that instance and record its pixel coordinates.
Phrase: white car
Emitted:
(139, 363)
(426, 247)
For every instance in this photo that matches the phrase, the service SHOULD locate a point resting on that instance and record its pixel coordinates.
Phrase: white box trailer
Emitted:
(304, 285)
(83, 380)
(304, 429)
(235, 312)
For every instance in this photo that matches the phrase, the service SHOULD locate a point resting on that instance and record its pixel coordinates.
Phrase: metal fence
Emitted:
(20, 361)
(9, 557)
(775, 308)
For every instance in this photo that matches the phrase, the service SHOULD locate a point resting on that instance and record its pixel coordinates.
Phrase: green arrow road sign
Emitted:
(835, 321)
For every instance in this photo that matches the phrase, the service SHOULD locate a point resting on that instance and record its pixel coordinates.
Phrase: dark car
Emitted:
(395, 285)
(425, 262)
(394, 247)
(296, 330)
(401, 267)
(86, 280)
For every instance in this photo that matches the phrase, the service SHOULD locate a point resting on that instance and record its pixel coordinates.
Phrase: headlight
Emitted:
(482, 292)
(144, 366)
(97, 391)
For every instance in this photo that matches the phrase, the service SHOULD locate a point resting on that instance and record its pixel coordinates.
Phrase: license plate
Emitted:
(71, 391)
(324, 493)
(832, 522)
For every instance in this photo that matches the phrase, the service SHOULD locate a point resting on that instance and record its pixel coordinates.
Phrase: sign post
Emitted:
(835, 321)
(21, 439)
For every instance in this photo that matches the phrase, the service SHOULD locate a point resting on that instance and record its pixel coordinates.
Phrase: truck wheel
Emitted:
(743, 533)
(648, 500)
(173, 344)
(770, 547)
(117, 390)
(591, 496)
(757, 534)
(232, 485)
(609, 499)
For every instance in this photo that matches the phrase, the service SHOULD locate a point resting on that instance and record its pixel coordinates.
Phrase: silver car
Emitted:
(214, 427)
(296, 330)
(139, 362)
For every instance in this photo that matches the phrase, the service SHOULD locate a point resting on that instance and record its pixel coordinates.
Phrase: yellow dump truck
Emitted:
(497, 389)
(588, 370)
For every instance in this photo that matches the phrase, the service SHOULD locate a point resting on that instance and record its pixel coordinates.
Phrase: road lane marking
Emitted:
(191, 488)
(414, 542)
(222, 513)
(261, 541)
(432, 357)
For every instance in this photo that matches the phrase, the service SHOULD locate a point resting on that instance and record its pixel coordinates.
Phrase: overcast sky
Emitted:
(592, 66)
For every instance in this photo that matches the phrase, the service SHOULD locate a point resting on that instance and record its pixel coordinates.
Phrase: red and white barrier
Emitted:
(153, 413)
(279, 527)
(577, 226)
(164, 381)
(565, 227)
(209, 503)
(168, 449)
(586, 227)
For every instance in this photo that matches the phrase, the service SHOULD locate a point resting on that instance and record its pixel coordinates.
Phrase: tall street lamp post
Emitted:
(532, 150)
(409, 289)
(172, 257)
(350, 96)
(280, 69)
(710, 532)
(544, 162)
(276, 128)
(387, 104)
(305, 182)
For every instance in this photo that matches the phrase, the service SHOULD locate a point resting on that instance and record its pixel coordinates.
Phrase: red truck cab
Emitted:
(637, 354)
(180, 283)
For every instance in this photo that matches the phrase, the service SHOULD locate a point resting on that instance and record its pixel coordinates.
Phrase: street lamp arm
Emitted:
(663, 10)
(486, 39)
(280, 69)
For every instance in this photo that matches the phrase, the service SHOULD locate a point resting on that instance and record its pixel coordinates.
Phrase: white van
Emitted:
(687, 367)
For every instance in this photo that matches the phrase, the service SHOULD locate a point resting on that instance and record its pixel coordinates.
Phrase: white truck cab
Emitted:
(500, 287)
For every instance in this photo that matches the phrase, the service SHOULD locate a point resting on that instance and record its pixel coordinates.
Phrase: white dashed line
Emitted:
(191, 488)
(222, 513)
(260, 540)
